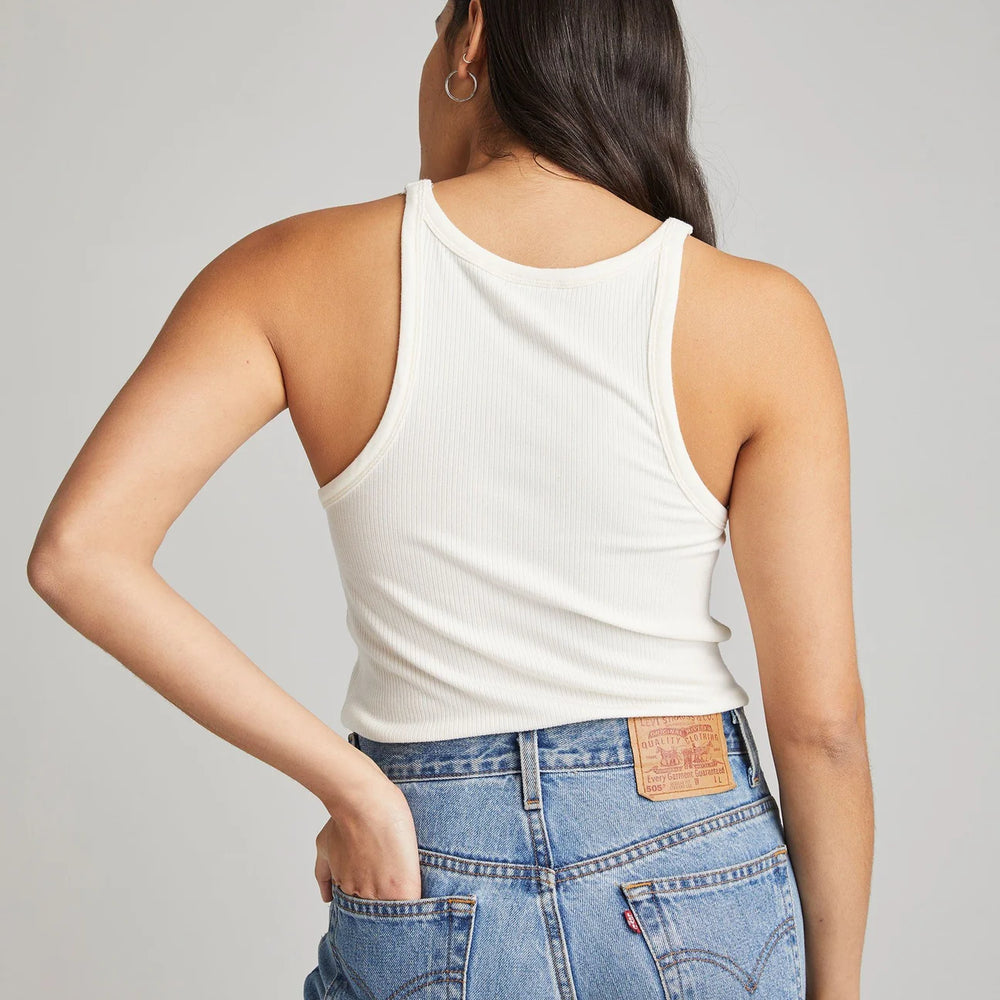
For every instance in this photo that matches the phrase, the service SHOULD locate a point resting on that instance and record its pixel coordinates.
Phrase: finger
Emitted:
(324, 877)
(326, 893)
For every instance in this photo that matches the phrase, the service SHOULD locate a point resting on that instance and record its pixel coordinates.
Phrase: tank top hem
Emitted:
(448, 727)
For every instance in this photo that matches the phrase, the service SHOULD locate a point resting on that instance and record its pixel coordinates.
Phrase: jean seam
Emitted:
(796, 930)
(679, 835)
(507, 772)
(714, 877)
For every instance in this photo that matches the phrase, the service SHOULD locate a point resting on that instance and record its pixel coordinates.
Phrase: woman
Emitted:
(533, 394)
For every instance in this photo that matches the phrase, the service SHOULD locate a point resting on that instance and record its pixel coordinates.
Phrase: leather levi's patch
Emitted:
(679, 755)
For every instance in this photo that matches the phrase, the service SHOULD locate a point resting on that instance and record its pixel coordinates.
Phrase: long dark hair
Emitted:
(600, 87)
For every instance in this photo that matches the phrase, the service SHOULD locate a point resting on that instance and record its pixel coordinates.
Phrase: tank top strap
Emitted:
(406, 347)
(661, 335)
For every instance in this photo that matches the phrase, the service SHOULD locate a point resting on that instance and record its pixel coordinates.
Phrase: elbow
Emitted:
(837, 735)
(67, 565)
(843, 742)
(54, 561)
(43, 566)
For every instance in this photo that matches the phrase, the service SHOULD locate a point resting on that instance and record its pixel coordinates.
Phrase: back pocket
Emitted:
(722, 933)
(387, 949)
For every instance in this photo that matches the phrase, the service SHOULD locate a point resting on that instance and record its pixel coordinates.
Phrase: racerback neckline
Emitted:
(476, 253)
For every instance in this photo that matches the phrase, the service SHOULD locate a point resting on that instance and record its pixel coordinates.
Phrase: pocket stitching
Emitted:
(748, 977)
(646, 889)
(455, 906)
(425, 906)
(337, 979)
(457, 975)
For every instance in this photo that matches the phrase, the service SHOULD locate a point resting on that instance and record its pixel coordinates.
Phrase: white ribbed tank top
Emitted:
(524, 541)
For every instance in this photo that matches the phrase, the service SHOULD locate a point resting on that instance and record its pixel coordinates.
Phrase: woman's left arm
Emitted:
(209, 381)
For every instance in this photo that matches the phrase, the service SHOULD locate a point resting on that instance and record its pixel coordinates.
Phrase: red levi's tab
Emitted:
(631, 921)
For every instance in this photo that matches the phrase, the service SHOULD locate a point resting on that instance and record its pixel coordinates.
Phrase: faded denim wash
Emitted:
(546, 876)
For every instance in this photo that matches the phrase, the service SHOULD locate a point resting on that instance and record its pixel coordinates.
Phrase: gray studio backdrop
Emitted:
(853, 144)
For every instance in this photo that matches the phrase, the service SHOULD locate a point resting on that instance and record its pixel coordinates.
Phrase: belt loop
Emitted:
(352, 738)
(746, 733)
(531, 779)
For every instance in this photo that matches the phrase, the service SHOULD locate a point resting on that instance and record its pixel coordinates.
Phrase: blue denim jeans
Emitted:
(547, 876)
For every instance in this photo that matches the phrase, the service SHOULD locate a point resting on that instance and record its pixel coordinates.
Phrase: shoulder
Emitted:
(347, 229)
(300, 261)
(766, 324)
(752, 295)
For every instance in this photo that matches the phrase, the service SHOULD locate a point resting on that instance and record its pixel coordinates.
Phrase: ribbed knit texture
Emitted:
(524, 542)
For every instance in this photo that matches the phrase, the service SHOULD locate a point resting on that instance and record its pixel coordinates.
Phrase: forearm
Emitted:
(127, 609)
(827, 811)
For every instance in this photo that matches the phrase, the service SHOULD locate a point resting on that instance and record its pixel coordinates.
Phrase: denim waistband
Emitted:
(570, 746)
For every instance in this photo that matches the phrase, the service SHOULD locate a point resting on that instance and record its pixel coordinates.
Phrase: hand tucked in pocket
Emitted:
(369, 848)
